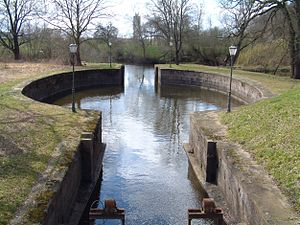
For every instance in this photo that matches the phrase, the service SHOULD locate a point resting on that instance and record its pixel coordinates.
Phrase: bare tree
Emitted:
(14, 14)
(292, 15)
(75, 16)
(106, 33)
(171, 19)
(291, 10)
(240, 16)
(139, 33)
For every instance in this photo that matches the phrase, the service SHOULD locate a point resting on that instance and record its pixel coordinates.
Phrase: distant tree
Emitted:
(74, 18)
(240, 16)
(14, 14)
(140, 33)
(207, 47)
(291, 11)
(106, 33)
(38, 48)
(171, 18)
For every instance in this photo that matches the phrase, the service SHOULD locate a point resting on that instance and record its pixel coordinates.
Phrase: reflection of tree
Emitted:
(143, 77)
(175, 127)
(168, 122)
(110, 109)
(197, 93)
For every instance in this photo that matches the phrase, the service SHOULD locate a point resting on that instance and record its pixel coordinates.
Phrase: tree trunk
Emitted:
(78, 57)
(297, 41)
(16, 50)
(297, 69)
(292, 54)
(177, 57)
(291, 41)
(297, 58)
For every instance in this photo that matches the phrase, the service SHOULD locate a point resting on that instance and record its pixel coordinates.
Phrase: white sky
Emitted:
(124, 10)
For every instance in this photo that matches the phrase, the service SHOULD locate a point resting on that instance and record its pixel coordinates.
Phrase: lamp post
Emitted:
(73, 51)
(171, 45)
(232, 52)
(109, 44)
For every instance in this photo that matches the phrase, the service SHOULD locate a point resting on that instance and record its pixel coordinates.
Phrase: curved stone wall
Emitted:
(241, 90)
(73, 192)
(51, 87)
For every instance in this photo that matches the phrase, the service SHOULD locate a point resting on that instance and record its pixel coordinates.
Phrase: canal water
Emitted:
(145, 168)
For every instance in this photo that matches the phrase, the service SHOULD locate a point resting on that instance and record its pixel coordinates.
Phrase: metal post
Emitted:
(110, 55)
(229, 93)
(73, 84)
(171, 55)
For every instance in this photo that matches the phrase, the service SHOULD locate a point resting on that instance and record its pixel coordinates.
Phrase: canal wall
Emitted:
(52, 87)
(73, 193)
(76, 185)
(248, 193)
(241, 90)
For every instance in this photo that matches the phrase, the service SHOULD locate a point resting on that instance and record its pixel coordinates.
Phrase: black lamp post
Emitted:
(73, 51)
(171, 45)
(232, 52)
(109, 44)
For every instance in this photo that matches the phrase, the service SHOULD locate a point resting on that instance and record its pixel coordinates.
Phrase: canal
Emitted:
(145, 168)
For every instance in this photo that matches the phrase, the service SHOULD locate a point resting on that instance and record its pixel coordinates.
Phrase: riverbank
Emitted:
(38, 142)
(269, 129)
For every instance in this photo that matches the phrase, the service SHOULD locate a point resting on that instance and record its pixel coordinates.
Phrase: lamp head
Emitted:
(73, 48)
(232, 50)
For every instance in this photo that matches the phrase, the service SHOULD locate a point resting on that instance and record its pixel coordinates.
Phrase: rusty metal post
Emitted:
(110, 211)
(208, 211)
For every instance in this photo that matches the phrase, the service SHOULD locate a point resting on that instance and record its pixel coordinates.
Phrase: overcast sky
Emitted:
(124, 10)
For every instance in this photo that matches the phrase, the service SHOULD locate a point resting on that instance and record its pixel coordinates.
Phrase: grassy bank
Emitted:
(269, 129)
(37, 141)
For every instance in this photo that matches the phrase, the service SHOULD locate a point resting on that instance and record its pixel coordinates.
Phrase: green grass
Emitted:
(46, 137)
(100, 66)
(270, 130)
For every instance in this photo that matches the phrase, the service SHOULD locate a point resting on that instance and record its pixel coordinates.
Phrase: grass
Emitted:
(36, 137)
(270, 131)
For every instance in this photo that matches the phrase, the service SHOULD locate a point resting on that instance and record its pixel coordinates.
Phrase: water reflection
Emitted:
(145, 167)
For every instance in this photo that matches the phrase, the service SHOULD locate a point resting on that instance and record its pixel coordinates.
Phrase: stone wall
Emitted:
(77, 185)
(241, 90)
(57, 85)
